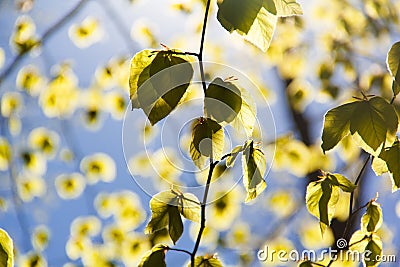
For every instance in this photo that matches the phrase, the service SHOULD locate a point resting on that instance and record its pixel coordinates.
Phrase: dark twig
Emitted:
(200, 55)
(212, 163)
(181, 250)
(203, 211)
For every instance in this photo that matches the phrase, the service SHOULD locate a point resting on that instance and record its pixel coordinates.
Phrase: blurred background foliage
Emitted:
(67, 196)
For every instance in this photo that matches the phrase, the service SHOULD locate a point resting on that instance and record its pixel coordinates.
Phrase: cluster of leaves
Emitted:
(158, 84)
(373, 123)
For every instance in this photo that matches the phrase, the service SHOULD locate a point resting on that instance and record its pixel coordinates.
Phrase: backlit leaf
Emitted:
(368, 244)
(372, 123)
(342, 182)
(374, 248)
(246, 118)
(206, 261)
(305, 264)
(167, 208)
(372, 220)
(222, 101)
(393, 60)
(158, 81)
(154, 257)
(336, 125)
(286, 8)
(207, 141)
(254, 167)
(230, 160)
(6, 250)
(389, 161)
(255, 19)
(321, 199)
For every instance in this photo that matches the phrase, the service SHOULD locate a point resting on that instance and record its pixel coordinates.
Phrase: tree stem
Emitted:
(347, 227)
(212, 163)
(200, 55)
(203, 211)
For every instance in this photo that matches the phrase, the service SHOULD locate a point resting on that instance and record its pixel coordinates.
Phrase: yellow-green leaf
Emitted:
(154, 257)
(372, 123)
(305, 264)
(165, 214)
(6, 250)
(138, 64)
(230, 160)
(341, 181)
(158, 81)
(222, 101)
(389, 161)
(207, 261)
(372, 220)
(254, 19)
(285, 8)
(393, 60)
(254, 166)
(246, 118)
(336, 125)
(189, 207)
(368, 244)
(374, 248)
(207, 141)
(321, 199)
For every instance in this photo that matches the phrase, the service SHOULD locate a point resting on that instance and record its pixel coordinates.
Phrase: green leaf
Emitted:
(341, 181)
(372, 220)
(254, 19)
(336, 125)
(139, 63)
(154, 257)
(372, 123)
(246, 118)
(305, 264)
(222, 101)
(167, 207)
(389, 161)
(158, 81)
(393, 59)
(285, 8)
(369, 245)
(189, 207)
(254, 166)
(207, 261)
(6, 250)
(207, 141)
(321, 199)
(374, 252)
(230, 160)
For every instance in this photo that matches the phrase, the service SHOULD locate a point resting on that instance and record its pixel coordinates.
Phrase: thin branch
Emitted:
(200, 55)
(185, 53)
(44, 38)
(393, 99)
(347, 227)
(203, 212)
(212, 164)
(181, 250)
